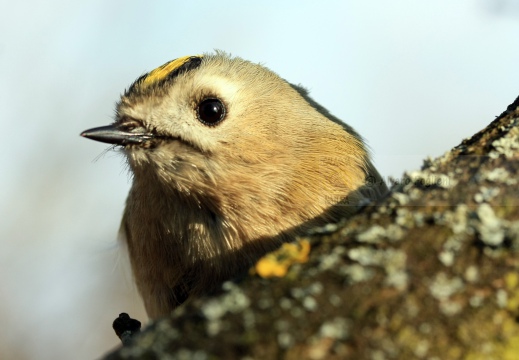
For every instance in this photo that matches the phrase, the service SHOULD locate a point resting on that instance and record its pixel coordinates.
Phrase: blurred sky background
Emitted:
(413, 77)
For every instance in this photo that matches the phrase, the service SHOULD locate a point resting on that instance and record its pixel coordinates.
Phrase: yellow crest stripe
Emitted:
(162, 71)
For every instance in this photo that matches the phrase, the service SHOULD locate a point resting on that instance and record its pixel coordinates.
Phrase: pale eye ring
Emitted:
(211, 111)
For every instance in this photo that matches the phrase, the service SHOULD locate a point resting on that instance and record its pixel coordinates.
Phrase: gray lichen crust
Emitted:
(429, 273)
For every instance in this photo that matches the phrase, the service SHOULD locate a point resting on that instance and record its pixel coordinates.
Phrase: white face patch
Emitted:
(213, 86)
(218, 85)
(172, 109)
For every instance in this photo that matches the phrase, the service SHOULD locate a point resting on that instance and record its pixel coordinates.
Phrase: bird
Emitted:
(228, 162)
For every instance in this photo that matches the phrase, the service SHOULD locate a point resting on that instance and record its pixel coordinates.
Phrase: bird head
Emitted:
(233, 134)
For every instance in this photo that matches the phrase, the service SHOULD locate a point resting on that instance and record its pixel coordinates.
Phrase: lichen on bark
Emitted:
(431, 272)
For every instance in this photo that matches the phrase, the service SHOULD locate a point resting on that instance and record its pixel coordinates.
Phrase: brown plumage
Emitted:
(228, 161)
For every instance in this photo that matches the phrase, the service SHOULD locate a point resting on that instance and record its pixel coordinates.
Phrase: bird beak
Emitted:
(112, 134)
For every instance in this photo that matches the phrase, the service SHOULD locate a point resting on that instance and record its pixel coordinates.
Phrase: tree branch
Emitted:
(431, 272)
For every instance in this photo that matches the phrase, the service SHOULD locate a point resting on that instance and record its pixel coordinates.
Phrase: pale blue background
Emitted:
(413, 77)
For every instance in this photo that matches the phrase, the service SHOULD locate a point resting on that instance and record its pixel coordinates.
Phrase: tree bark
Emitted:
(431, 272)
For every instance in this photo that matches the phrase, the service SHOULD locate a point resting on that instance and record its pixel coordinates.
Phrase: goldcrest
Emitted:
(229, 161)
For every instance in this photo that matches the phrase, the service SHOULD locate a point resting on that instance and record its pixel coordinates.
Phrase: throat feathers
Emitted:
(229, 161)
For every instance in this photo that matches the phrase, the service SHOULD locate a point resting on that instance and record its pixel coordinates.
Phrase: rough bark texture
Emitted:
(429, 273)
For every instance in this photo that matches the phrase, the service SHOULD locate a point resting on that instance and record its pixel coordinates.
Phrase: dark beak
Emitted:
(111, 134)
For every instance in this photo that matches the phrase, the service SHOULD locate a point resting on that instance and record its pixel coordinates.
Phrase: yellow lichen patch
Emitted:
(277, 263)
(511, 351)
(508, 347)
(503, 346)
(162, 71)
(512, 282)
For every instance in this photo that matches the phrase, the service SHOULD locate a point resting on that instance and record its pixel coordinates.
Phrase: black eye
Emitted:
(211, 111)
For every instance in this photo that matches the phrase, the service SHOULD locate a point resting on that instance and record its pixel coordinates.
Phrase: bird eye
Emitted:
(211, 111)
